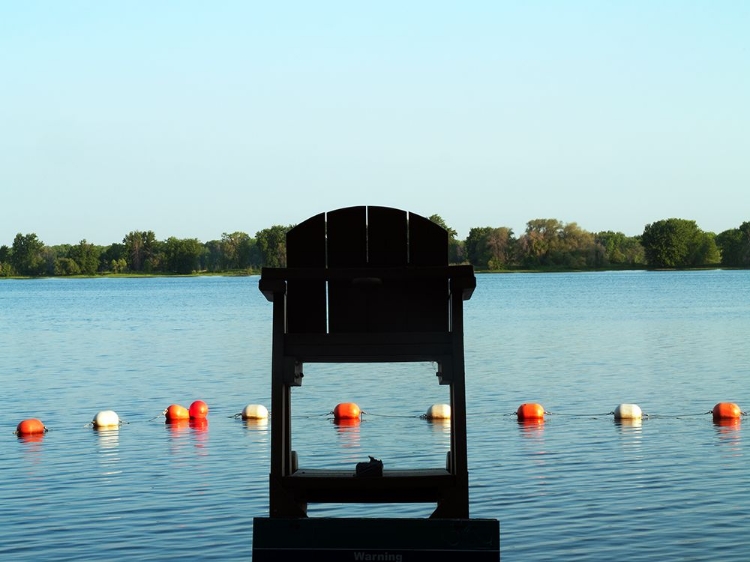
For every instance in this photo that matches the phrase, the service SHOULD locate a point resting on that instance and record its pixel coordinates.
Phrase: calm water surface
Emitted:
(577, 487)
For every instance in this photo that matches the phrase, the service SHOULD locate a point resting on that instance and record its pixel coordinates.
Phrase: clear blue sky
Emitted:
(196, 118)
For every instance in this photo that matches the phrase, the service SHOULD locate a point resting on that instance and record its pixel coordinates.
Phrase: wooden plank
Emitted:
(387, 246)
(428, 242)
(346, 232)
(386, 237)
(306, 299)
(347, 247)
(370, 539)
(459, 273)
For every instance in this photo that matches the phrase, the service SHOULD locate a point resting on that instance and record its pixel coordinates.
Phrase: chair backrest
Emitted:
(364, 250)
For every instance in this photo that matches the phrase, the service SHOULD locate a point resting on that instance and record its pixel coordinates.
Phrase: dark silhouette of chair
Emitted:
(368, 285)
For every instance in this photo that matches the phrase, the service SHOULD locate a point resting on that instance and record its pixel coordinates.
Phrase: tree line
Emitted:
(546, 244)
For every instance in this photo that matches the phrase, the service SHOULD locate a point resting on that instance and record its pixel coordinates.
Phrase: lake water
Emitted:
(577, 487)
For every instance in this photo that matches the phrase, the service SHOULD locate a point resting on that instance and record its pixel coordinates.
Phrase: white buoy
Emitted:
(438, 412)
(254, 412)
(628, 412)
(106, 419)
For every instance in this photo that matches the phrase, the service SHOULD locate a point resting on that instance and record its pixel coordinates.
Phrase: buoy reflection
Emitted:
(440, 425)
(256, 424)
(31, 437)
(532, 427)
(348, 432)
(177, 426)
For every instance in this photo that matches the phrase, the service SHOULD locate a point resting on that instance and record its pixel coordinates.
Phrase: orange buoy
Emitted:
(530, 411)
(31, 426)
(175, 412)
(726, 411)
(346, 411)
(198, 410)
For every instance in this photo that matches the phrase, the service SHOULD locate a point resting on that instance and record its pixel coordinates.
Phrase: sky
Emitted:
(195, 118)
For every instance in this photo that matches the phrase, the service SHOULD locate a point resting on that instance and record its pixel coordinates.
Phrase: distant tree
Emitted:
(552, 243)
(212, 258)
(86, 257)
(538, 241)
(49, 257)
(118, 266)
(6, 269)
(620, 249)
(111, 257)
(575, 247)
(182, 255)
(237, 250)
(704, 250)
(734, 245)
(140, 250)
(254, 255)
(27, 255)
(476, 245)
(66, 266)
(675, 243)
(500, 246)
(272, 245)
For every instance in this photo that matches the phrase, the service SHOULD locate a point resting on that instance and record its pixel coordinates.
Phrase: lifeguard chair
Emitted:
(367, 285)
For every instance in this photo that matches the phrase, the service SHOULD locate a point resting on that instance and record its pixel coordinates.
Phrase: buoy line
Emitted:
(349, 412)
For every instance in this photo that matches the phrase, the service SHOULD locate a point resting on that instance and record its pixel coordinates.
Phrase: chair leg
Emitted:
(282, 501)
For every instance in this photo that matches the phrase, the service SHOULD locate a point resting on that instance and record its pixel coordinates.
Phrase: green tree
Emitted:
(704, 250)
(212, 258)
(675, 243)
(575, 247)
(236, 249)
(272, 245)
(140, 250)
(477, 251)
(27, 255)
(182, 256)
(112, 257)
(66, 266)
(538, 241)
(500, 245)
(86, 257)
(734, 245)
(620, 249)
(6, 269)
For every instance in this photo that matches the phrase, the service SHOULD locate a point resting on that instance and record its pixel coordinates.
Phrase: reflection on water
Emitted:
(108, 441)
(348, 432)
(730, 436)
(177, 427)
(531, 428)
(256, 424)
(31, 437)
(107, 438)
(440, 426)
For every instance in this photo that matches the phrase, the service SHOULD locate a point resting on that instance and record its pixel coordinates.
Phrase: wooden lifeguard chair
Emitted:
(367, 285)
